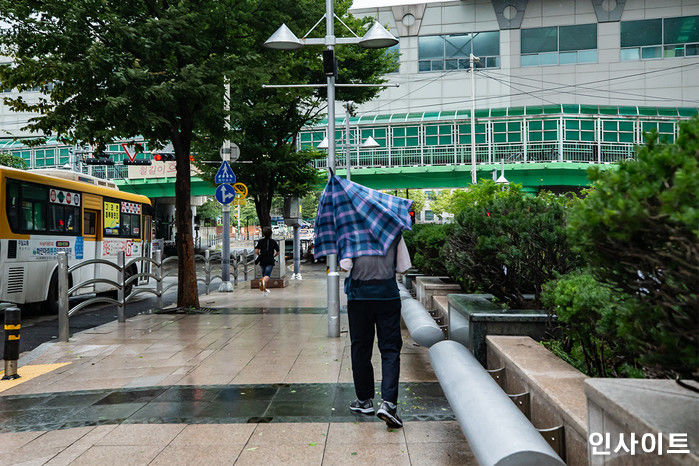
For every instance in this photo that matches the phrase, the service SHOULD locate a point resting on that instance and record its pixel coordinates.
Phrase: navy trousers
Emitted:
(364, 316)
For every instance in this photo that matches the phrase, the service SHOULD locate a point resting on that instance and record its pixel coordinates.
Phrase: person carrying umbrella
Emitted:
(363, 227)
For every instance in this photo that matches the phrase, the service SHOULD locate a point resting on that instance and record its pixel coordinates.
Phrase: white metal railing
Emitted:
(460, 154)
(125, 285)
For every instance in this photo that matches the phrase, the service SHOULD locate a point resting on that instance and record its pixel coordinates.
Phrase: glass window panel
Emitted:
(625, 137)
(550, 58)
(486, 43)
(452, 64)
(588, 125)
(500, 137)
(430, 47)
(625, 126)
(492, 62)
(609, 125)
(691, 50)
(431, 130)
(630, 54)
(681, 30)
(515, 137)
(572, 124)
(535, 136)
(399, 131)
(380, 133)
(610, 137)
(535, 125)
(444, 129)
(399, 142)
(587, 136)
(445, 140)
(530, 60)
(411, 130)
(539, 40)
(437, 65)
(577, 37)
(411, 141)
(500, 127)
(651, 52)
(431, 140)
(480, 138)
(567, 58)
(649, 126)
(464, 64)
(425, 65)
(572, 135)
(643, 32)
(587, 56)
(666, 128)
(550, 135)
(514, 126)
(457, 46)
(550, 124)
(673, 51)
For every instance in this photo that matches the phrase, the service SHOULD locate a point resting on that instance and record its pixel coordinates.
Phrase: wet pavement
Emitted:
(255, 382)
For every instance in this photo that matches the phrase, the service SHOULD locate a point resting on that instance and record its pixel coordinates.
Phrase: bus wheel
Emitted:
(51, 303)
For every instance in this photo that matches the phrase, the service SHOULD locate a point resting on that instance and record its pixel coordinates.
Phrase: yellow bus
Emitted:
(44, 212)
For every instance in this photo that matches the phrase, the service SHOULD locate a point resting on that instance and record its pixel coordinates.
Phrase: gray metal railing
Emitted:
(124, 282)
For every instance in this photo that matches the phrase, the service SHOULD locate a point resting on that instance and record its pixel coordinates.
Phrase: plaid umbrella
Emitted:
(354, 220)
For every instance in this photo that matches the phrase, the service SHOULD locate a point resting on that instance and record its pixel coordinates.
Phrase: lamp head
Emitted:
(283, 39)
(377, 37)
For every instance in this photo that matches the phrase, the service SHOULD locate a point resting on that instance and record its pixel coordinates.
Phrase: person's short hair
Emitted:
(267, 232)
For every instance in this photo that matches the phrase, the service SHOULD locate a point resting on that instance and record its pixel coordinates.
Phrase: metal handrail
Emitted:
(97, 299)
(92, 261)
(91, 282)
(122, 282)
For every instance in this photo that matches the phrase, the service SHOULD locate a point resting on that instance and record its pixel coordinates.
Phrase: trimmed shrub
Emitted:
(639, 230)
(425, 243)
(509, 246)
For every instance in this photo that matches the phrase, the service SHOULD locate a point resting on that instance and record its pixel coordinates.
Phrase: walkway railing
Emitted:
(125, 284)
(460, 154)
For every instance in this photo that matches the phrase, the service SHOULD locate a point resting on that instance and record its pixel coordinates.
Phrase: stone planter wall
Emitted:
(556, 389)
(427, 287)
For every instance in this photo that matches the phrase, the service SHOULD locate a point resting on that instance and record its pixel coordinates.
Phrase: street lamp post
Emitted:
(376, 37)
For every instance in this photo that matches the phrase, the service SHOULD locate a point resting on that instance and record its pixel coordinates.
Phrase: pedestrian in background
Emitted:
(267, 250)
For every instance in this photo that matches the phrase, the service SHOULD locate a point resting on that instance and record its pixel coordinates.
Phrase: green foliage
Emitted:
(416, 195)
(639, 230)
(309, 205)
(425, 243)
(209, 211)
(13, 161)
(589, 314)
(484, 191)
(509, 245)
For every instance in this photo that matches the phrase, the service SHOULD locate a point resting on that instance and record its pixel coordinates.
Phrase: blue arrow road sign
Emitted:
(224, 174)
(225, 193)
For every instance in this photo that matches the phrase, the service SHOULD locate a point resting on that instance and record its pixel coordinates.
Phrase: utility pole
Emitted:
(471, 60)
(349, 108)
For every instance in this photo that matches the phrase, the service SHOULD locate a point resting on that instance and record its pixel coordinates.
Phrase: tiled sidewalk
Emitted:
(258, 384)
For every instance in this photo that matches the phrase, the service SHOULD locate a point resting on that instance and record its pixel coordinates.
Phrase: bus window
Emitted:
(130, 225)
(90, 223)
(33, 201)
(13, 204)
(64, 219)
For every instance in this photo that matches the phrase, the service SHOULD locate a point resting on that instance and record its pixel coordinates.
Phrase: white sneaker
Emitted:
(267, 292)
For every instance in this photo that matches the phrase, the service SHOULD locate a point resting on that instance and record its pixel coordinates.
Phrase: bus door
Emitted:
(147, 237)
(93, 239)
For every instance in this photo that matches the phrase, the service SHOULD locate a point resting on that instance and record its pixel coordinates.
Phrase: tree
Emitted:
(416, 195)
(444, 202)
(13, 161)
(266, 122)
(210, 210)
(639, 229)
(124, 69)
(309, 205)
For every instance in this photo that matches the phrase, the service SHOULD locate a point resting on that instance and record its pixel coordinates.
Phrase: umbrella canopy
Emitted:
(354, 220)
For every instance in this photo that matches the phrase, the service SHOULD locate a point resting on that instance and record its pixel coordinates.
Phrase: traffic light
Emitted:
(137, 162)
(412, 217)
(98, 161)
(166, 157)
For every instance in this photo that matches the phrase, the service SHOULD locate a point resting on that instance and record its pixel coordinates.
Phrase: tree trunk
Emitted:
(263, 205)
(187, 289)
